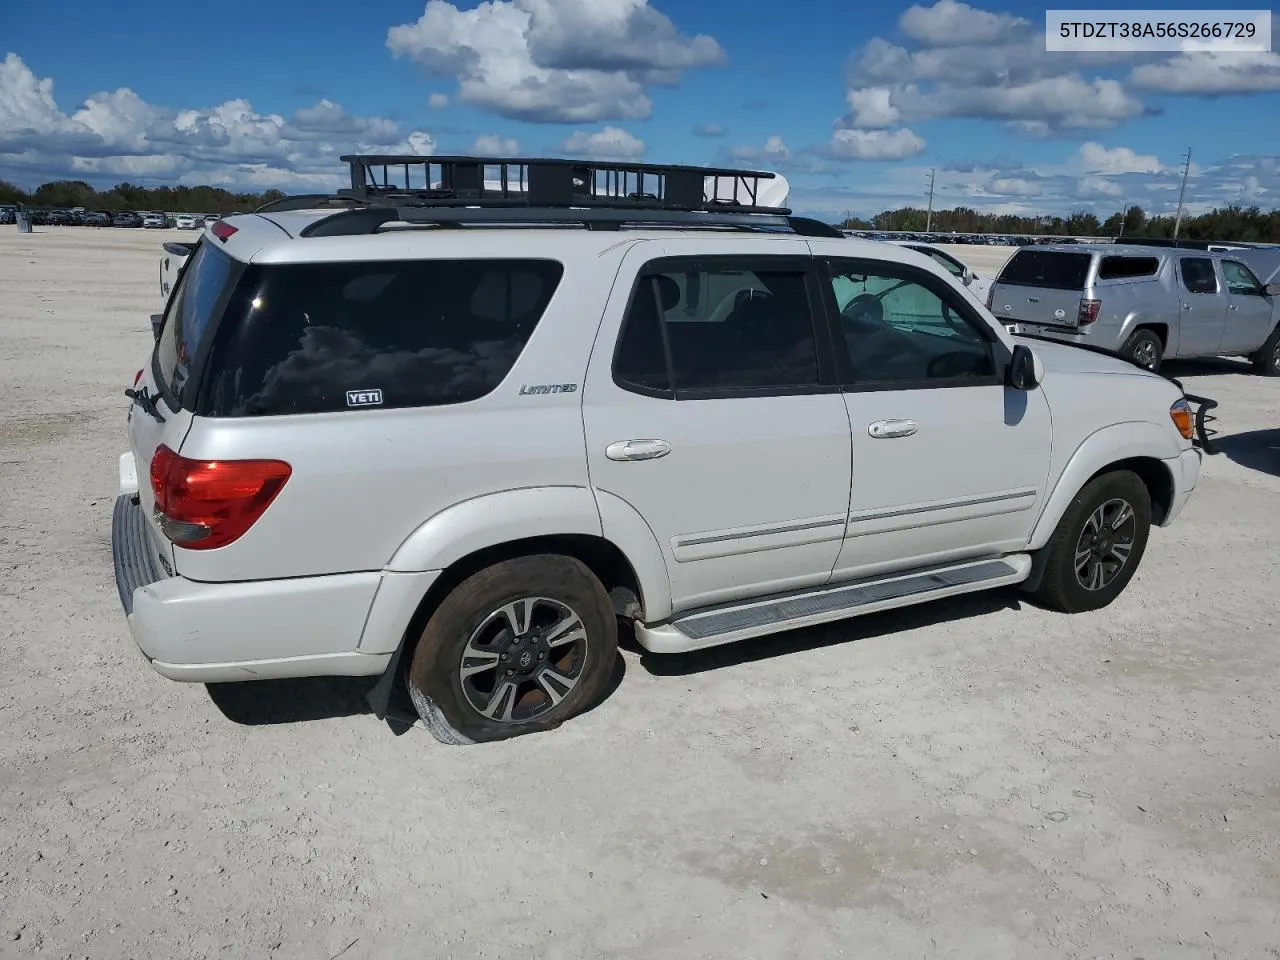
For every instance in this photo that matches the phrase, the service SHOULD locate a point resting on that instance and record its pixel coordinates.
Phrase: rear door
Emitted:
(712, 412)
(1203, 307)
(1249, 310)
(1041, 287)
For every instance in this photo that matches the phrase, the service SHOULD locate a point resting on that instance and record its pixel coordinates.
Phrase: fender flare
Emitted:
(1112, 444)
(1141, 318)
(510, 515)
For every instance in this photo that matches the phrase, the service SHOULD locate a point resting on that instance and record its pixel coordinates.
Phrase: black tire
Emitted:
(1145, 348)
(512, 675)
(1267, 359)
(1076, 589)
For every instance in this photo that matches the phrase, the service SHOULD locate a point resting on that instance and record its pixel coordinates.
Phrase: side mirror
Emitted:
(1025, 369)
(968, 276)
(1272, 290)
(157, 320)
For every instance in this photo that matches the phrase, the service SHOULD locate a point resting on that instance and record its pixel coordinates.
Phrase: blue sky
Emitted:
(854, 103)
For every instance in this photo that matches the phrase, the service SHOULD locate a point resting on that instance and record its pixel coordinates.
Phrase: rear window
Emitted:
(1127, 268)
(319, 338)
(1047, 268)
(203, 287)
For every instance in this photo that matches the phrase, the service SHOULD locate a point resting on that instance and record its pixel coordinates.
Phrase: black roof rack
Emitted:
(307, 201)
(444, 181)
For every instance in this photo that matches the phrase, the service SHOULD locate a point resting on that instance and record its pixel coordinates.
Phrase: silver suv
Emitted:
(454, 435)
(1146, 303)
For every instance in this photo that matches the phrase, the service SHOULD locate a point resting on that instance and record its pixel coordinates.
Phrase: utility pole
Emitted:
(1124, 215)
(928, 218)
(1185, 170)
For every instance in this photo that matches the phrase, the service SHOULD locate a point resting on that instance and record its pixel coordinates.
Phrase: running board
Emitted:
(731, 622)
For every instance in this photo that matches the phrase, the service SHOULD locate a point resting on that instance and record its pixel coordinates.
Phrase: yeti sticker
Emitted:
(364, 398)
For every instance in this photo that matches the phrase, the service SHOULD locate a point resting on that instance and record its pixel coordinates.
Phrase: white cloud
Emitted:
(118, 134)
(967, 62)
(1097, 187)
(1013, 187)
(1095, 158)
(611, 143)
(1211, 74)
(492, 145)
(949, 23)
(848, 144)
(709, 130)
(438, 101)
(774, 150)
(567, 61)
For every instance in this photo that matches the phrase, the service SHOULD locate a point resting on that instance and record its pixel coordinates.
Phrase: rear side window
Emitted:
(1198, 276)
(726, 327)
(1047, 268)
(1127, 268)
(324, 337)
(194, 305)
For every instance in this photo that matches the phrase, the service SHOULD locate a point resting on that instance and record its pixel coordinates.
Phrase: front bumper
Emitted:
(262, 629)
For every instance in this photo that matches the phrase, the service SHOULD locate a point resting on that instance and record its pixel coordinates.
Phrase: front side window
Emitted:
(952, 267)
(715, 327)
(898, 327)
(1240, 279)
(1198, 275)
(324, 337)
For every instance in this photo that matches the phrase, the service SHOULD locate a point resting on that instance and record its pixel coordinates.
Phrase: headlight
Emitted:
(1180, 414)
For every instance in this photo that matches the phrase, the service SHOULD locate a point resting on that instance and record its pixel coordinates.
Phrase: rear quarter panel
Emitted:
(365, 480)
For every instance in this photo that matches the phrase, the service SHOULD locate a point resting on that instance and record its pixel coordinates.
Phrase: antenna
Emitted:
(1181, 192)
(928, 217)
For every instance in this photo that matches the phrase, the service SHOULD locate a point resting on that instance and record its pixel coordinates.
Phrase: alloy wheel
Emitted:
(1105, 544)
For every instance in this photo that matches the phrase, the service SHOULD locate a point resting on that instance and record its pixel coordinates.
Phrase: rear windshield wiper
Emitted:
(146, 401)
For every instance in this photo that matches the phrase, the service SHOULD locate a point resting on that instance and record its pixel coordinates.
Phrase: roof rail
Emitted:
(307, 201)
(370, 219)
(445, 181)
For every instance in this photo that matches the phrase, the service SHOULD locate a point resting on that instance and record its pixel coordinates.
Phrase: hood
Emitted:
(1065, 358)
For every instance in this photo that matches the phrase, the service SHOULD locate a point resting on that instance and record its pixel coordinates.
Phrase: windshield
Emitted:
(197, 300)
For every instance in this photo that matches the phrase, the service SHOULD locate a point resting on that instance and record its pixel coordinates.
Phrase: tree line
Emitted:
(65, 194)
(1225, 223)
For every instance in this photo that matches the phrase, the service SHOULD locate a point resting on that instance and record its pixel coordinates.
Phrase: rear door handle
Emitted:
(637, 449)
(889, 429)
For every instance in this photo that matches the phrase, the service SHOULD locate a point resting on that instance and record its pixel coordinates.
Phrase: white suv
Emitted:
(453, 435)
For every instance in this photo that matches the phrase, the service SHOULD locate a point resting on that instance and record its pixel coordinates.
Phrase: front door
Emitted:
(1249, 310)
(948, 462)
(1203, 303)
(712, 413)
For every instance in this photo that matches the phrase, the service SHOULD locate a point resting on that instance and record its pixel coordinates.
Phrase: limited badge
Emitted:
(364, 398)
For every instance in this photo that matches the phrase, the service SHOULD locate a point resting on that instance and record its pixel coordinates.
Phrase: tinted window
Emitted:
(192, 307)
(724, 328)
(1240, 279)
(1197, 275)
(1125, 268)
(897, 328)
(1046, 268)
(298, 337)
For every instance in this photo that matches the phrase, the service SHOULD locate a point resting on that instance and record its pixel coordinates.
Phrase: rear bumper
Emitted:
(208, 632)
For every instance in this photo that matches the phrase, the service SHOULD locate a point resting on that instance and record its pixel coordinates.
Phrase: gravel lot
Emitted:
(972, 779)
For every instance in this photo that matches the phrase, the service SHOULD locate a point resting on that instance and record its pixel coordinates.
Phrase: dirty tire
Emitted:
(1267, 360)
(1145, 348)
(1064, 584)
(474, 625)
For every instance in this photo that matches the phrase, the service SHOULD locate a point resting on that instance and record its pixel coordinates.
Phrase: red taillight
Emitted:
(1089, 311)
(223, 230)
(203, 504)
(137, 376)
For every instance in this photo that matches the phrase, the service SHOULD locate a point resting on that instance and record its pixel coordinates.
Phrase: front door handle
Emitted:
(889, 429)
(637, 449)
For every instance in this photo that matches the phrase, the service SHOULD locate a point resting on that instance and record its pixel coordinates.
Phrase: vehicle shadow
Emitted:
(1257, 450)
(931, 614)
(1206, 367)
(261, 703)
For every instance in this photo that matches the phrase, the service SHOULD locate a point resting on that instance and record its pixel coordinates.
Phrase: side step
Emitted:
(731, 622)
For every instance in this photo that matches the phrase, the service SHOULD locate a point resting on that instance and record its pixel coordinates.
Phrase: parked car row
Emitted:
(147, 219)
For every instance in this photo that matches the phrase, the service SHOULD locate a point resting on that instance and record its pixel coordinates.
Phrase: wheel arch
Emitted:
(1138, 446)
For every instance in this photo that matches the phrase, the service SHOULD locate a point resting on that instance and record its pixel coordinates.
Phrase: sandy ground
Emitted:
(972, 779)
